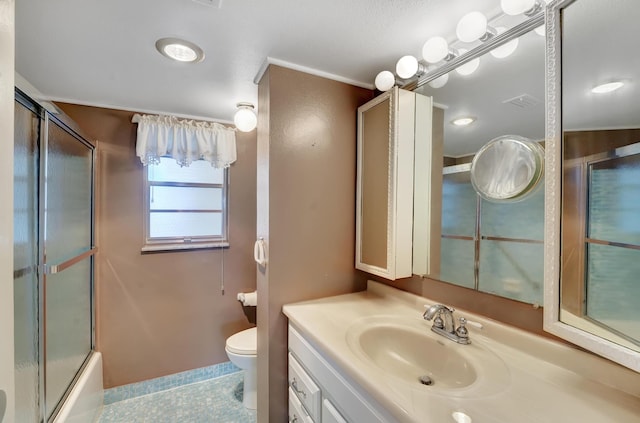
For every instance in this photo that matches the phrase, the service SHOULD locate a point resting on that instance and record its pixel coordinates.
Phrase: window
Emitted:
(186, 207)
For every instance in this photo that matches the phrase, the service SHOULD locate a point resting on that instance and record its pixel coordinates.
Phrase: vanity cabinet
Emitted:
(320, 393)
(390, 129)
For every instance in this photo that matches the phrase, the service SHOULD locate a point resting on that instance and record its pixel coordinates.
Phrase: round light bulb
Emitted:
(180, 53)
(471, 27)
(440, 81)
(506, 49)
(406, 67)
(245, 119)
(385, 80)
(516, 7)
(541, 30)
(180, 50)
(469, 67)
(435, 49)
(607, 88)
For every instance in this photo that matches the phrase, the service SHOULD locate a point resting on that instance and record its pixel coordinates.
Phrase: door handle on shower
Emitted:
(260, 252)
(50, 269)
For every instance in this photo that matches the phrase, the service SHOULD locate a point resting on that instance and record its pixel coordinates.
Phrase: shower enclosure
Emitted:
(53, 258)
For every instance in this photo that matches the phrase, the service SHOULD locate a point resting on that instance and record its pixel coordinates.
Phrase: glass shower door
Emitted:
(25, 261)
(68, 258)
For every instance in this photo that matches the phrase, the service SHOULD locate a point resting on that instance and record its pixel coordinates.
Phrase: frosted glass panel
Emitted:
(456, 262)
(512, 269)
(185, 198)
(68, 184)
(613, 288)
(613, 213)
(167, 225)
(68, 327)
(521, 220)
(459, 203)
(199, 171)
(25, 256)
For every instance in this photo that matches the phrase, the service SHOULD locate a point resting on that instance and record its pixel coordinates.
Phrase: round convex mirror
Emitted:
(507, 168)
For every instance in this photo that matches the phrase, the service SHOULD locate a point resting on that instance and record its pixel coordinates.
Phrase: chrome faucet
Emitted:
(444, 323)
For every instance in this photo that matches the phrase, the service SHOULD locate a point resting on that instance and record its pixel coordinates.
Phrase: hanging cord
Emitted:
(222, 248)
(222, 271)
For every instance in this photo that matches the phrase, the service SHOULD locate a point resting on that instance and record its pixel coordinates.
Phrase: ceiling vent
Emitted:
(213, 3)
(523, 101)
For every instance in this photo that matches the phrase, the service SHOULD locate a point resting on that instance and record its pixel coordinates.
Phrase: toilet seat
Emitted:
(243, 343)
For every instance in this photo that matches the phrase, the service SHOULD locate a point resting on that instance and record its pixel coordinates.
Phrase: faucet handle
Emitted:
(476, 325)
(462, 331)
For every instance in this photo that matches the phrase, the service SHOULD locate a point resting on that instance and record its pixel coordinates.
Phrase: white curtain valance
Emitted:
(184, 140)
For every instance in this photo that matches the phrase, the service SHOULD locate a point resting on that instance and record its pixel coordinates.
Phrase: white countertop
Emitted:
(545, 381)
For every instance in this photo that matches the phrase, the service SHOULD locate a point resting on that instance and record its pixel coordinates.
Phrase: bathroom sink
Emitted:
(415, 355)
(408, 351)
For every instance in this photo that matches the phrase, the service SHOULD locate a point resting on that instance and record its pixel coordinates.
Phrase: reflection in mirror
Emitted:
(495, 248)
(600, 238)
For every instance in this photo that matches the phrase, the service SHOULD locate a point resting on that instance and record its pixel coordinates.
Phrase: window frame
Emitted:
(159, 244)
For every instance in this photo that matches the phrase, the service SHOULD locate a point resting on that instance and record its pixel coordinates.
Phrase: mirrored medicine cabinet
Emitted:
(593, 178)
(388, 133)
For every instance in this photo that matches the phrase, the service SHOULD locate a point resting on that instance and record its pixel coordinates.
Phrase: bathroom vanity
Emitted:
(371, 357)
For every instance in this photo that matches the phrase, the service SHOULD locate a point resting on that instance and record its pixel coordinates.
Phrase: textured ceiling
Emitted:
(102, 52)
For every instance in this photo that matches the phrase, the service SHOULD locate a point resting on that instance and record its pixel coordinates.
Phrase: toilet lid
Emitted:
(244, 342)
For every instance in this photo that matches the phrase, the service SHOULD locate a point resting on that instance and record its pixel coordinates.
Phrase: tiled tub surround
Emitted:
(546, 381)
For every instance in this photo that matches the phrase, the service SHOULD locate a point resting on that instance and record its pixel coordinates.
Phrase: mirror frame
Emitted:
(553, 198)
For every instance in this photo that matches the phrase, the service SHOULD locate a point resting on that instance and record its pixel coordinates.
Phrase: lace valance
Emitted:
(184, 140)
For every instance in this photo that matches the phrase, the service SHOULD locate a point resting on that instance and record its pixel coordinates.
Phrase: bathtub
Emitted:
(84, 403)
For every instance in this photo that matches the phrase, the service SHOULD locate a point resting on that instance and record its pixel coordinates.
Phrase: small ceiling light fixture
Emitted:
(409, 66)
(517, 7)
(607, 88)
(506, 49)
(463, 121)
(245, 118)
(469, 67)
(385, 80)
(180, 50)
(437, 49)
(473, 26)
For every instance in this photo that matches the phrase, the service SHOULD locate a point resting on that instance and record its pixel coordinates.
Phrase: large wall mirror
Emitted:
(483, 245)
(593, 178)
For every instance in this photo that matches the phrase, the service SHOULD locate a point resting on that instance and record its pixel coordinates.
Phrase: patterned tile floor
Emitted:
(212, 401)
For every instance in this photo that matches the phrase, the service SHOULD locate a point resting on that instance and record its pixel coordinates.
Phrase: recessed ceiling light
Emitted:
(608, 87)
(179, 50)
(463, 121)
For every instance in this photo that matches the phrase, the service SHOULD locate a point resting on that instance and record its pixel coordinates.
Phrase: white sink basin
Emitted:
(408, 351)
(411, 354)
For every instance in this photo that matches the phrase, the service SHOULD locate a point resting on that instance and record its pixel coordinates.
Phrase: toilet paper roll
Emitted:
(248, 298)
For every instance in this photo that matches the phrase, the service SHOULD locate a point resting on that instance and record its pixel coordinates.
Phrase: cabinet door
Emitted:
(384, 208)
(297, 413)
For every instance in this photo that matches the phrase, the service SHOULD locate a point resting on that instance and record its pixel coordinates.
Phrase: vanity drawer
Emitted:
(330, 414)
(304, 388)
(297, 413)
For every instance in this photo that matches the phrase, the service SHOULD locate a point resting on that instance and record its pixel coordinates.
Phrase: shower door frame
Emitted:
(44, 268)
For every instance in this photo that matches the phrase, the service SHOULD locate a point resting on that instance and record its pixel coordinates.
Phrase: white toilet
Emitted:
(241, 349)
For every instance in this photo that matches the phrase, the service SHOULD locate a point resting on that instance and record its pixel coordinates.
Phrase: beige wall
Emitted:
(306, 209)
(162, 313)
(7, 36)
